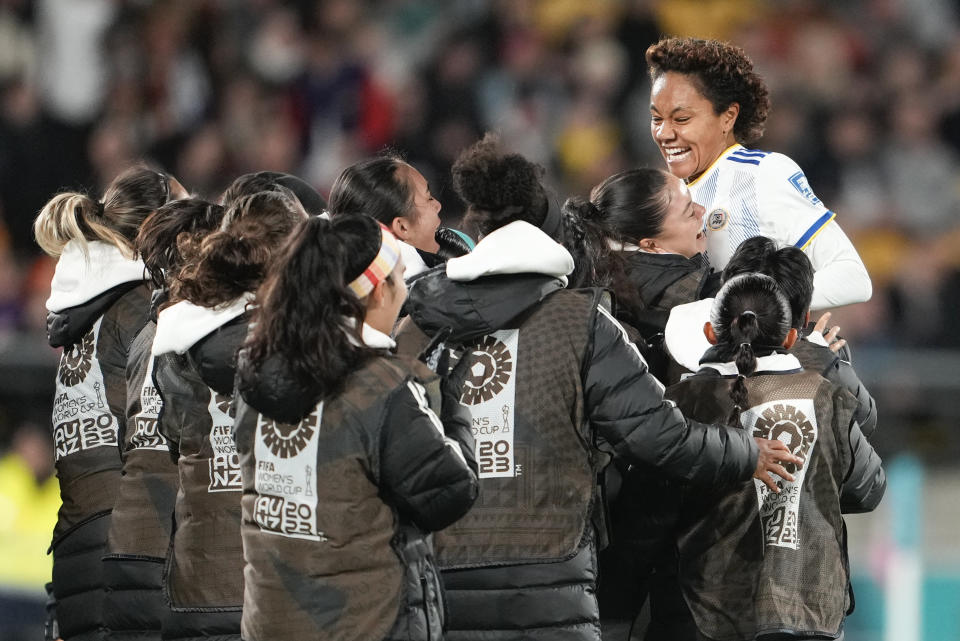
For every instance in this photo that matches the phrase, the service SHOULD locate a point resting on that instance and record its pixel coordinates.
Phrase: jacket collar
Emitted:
(181, 326)
(517, 248)
(413, 262)
(769, 363)
(683, 334)
(81, 276)
(371, 337)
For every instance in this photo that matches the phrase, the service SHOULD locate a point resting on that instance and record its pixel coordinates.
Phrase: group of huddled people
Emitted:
(280, 416)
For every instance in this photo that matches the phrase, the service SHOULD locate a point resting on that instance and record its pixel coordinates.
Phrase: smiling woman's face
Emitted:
(682, 231)
(685, 127)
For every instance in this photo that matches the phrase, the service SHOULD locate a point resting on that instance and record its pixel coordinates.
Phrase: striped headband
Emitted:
(384, 262)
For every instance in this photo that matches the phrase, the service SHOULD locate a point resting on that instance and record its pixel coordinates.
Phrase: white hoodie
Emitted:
(81, 276)
(517, 248)
(181, 326)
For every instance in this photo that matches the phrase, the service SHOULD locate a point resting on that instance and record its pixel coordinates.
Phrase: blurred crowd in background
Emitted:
(866, 98)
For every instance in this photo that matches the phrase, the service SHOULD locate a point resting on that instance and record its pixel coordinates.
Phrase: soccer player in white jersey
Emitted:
(706, 104)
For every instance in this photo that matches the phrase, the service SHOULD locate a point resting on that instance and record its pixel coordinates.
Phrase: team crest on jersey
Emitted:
(717, 219)
(792, 422)
(75, 361)
(799, 182)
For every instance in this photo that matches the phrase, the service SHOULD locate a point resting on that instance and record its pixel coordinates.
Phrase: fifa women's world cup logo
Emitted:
(491, 370)
(286, 440)
(787, 424)
(76, 360)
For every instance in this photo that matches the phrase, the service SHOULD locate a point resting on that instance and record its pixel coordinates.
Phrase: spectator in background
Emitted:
(29, 498)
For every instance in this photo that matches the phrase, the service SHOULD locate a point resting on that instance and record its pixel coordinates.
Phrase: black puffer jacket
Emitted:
(838, 371)
(89, 414)
(577, 379)
(339, 499)
(195, 360)
(660, 282)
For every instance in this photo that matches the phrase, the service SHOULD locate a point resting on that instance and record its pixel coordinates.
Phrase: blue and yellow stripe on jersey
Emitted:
(815, 229)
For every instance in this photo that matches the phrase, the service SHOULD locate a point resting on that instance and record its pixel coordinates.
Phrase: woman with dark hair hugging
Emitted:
(552, 376)
(346, 468)
(195, 346)
(140, 528)
(98, 302)
(651, 245)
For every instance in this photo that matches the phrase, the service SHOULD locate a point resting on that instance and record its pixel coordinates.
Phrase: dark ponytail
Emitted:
(170, 237)
(585, 237)
(744, 329)
(374, 187)
(750, 315)
(305, 312)
(624, 208)
(234, 259)
(633, 203)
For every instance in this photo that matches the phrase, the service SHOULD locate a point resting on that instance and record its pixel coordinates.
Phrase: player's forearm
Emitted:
(842, 282)
(840, 278)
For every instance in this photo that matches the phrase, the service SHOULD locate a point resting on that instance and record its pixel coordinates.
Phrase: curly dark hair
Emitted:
(723, 73)
(498, 187)
(234, 259)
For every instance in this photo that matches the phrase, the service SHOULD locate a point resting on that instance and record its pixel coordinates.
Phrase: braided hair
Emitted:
(750, 314)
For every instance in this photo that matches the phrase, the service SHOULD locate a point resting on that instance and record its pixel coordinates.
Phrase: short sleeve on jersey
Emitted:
(787, 203)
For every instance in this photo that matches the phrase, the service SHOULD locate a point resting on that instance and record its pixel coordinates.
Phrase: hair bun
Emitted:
(592, 212)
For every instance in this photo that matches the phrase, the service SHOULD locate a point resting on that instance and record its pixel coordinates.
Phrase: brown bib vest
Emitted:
(331, 548)
(534, 449)
(205, 564)
(143, 512)
(754, 562)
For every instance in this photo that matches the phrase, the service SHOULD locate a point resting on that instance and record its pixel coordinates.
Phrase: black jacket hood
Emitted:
(477, 307)
(272, 390)
(68, 326)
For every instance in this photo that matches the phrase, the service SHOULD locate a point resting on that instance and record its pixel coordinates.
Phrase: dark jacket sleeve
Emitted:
(625, 405)
(215, 356)
(842, 373)
(422, 472)
(866, 481)
(180, 389)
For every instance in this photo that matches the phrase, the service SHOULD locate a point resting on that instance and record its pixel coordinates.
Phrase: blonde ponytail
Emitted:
(116, 219)
(63, 219)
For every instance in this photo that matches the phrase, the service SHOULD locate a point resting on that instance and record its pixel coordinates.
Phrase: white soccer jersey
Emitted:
(749, 193)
